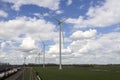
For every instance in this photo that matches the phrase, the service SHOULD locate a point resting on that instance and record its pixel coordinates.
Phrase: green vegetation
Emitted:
(27, 74)
(80, 73)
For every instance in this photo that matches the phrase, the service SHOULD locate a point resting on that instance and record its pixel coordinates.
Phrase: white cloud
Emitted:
(84, 35)
(54, 49)
(15, 57)
(89, 51)
(28, 26)
(3, 14)
(59, 12)
(45, 14)
(100, 50)
(106, 15)
(51, 4)
(69, 2)
(28, 44)
(38, 15)
(99, 16)
(66, 51)
(3, 45)
(33, 29)
(81, 7)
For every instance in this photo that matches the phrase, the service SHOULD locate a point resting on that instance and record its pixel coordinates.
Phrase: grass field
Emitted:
(80, 73)
(27, 74)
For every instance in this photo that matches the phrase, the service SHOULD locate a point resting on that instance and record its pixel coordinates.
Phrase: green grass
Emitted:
(27, 74)
(80, 73)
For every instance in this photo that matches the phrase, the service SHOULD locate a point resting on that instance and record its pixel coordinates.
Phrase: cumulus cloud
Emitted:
(54, 50)
(69, 2)
(45, 14)
(106, 15)
(22, 34)
(89, 51)
(84, 35)
(38, 15)
(3, 45)
(3, 14)
(98, 50)
(15, 57)
(28, 44)
(101, 49)
(31, 27)
(59, 12)
(50, 4)
(99, 16)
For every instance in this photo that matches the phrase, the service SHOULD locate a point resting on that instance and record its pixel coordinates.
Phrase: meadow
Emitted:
(79, 73)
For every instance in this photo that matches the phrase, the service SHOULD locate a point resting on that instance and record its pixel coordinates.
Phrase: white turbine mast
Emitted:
(60, 41)
(39, 58)
(36, 59)
(24, 60)
(44, 47)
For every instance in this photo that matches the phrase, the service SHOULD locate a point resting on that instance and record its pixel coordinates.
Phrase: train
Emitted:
(7, 71)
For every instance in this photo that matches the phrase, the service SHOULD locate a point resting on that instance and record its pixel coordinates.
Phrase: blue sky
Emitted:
(90, 32)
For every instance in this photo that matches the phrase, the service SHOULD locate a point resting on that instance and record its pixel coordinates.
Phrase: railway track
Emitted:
(17, 76)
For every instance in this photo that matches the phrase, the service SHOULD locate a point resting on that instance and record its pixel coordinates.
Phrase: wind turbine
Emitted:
(60, 41)
(39, 58)
(35, 59)
(43, 54)
(24, 61)
(44, 46)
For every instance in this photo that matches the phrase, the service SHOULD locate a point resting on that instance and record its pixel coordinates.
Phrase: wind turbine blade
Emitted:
(43, 43)
(54, 17)
(57, 28)
(64, 20)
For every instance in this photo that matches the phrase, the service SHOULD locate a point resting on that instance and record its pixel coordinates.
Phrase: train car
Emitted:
(5, 72)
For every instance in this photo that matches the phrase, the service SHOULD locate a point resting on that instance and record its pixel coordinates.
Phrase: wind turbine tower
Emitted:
(39, 58)
(60, 41)
(24, 60)
(44, 46)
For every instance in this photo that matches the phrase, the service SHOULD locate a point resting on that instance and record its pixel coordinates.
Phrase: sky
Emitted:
(91, 31)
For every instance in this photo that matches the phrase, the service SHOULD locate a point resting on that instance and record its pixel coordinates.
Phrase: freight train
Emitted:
(7, 71)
